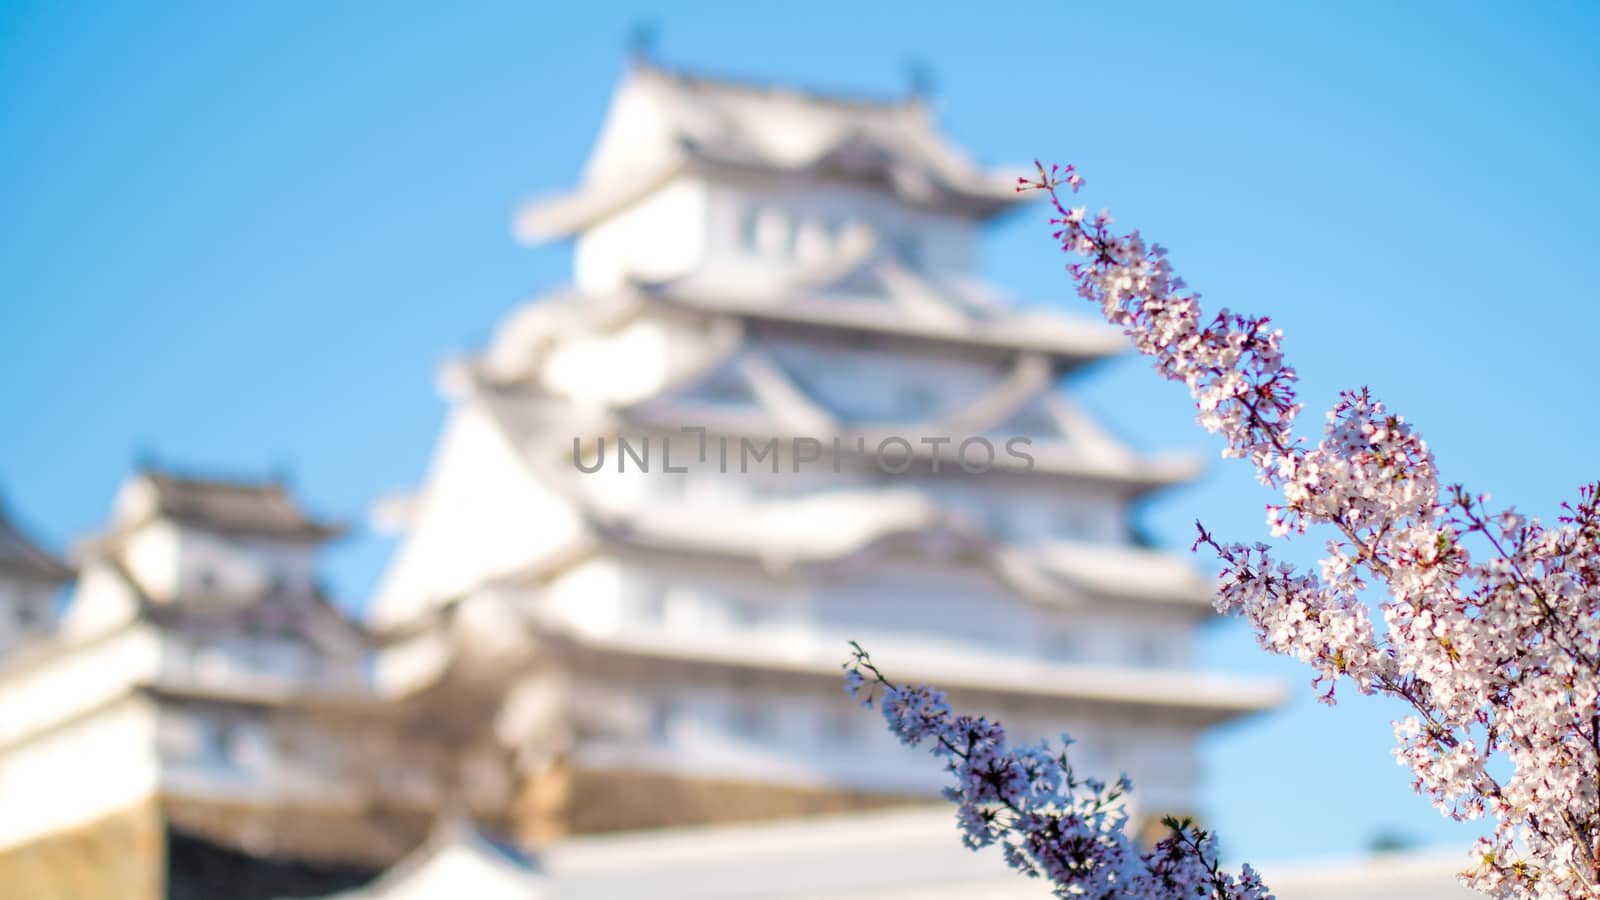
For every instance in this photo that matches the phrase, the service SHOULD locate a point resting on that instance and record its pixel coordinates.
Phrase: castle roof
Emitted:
(1199, 698)
(21, 557)
(878, 855)
(663, 122)
(879, 301)
(458, 858)
(881, 296)
(832, 531)
(1078, 451)
(238, 507)
(904, 852)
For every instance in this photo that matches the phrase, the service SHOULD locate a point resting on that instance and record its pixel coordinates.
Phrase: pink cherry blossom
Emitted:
(1487, 628)
(1048, 823)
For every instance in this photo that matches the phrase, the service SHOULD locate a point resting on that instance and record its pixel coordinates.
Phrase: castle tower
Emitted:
(778, 411)
(203, 721)
(30, 576)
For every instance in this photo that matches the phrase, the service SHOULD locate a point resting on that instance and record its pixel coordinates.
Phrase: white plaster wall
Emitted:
(216, 565)
(259, 667)
(588, 599)
(763, 230)
(79, 773)
(633, 363)
(633, 137)
(52, 691)
(240, 753)
(692, 608)
(661, 236)
(620, 484)
(101, 600)
(289, 566)
(908, 610)
(630, 361)
(791, 739)
(481, 514)
(909, 606)
(821, 223)
(811, 739)
(136, 500)
(150, 554)
(169, 560)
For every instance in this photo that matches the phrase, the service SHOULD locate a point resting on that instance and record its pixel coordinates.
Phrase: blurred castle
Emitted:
(573, 641)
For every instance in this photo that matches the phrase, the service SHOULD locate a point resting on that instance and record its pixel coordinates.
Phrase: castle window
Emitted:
(998, 522)
(727, 387)
(840, 729)
(833, 233)
(1064, 642)
(1078, 523)
(741, 611)
(1149, 650)
(749, 229)
(650, 603)
(748, 718)
(908, 248)
(219, 741)
(919, 398)
(661, 716)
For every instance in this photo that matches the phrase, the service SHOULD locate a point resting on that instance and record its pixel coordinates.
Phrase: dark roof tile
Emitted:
(262, 508)
(20, 557)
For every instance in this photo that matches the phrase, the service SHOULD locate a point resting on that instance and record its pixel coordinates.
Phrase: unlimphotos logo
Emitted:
(893, 454)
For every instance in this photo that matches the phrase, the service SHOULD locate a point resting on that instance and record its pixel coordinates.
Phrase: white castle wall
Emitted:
(78, 773)
(910, 610)
(36, 698)
(763, 232)
(26, 610)
(929, 620)
(659, 237)
(774, 229)
(477, 478)
(169, 560)
(811, 738)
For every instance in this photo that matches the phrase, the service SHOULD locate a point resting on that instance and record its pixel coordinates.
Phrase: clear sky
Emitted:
(243, 239)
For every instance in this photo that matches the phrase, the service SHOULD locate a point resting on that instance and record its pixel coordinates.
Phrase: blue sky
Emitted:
(243, 238)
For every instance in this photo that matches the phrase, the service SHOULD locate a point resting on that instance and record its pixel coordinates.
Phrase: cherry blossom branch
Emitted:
(1048, 822)
(1499, 658)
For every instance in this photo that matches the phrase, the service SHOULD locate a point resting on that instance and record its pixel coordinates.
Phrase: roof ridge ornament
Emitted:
(643, 36)
(921, 84)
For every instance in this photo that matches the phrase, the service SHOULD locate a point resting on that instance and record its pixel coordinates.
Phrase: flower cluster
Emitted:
(1488, 627)
(1048, 823)
(1498, 657)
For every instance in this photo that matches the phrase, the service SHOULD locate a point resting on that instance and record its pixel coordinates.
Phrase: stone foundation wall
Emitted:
(198, 869)
(119, 857)
(567, 801)
(372, 838)
(149, 853)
